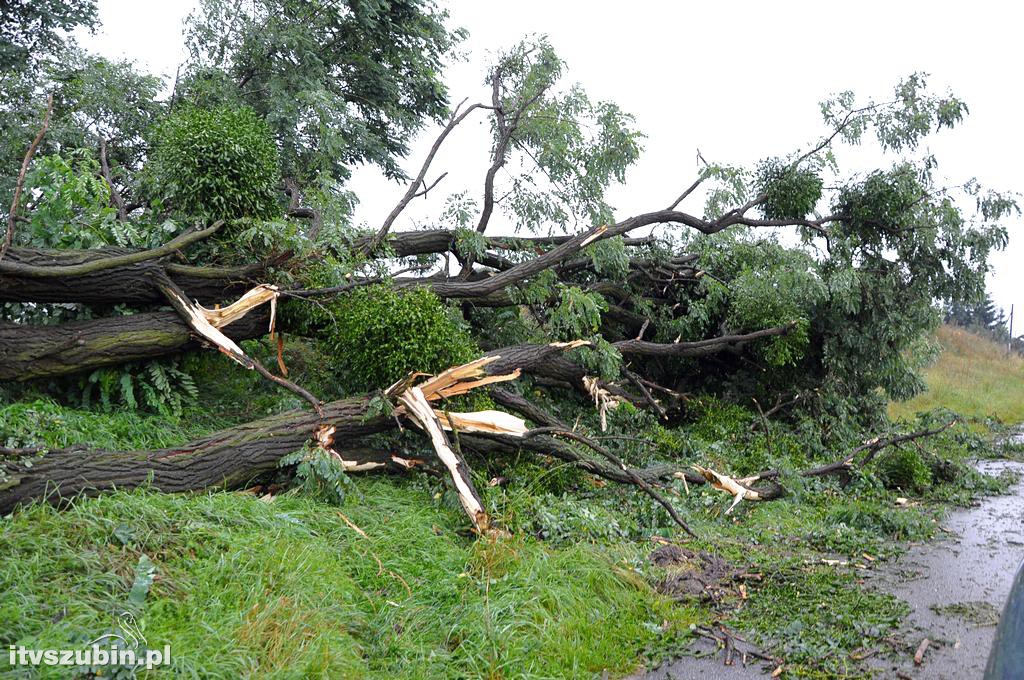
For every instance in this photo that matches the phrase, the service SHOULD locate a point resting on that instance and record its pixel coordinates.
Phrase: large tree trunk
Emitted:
(30, 351)
(134, 284)
(230, 458)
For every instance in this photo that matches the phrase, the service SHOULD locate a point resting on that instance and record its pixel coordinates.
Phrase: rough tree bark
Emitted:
(132, 284)
(229, 459)
(29, 352)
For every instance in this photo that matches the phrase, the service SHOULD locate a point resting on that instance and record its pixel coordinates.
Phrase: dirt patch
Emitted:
(691, 573)
(978, 613)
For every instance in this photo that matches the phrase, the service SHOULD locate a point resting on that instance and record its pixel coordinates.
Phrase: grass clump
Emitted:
(814, 616)
(904, 469)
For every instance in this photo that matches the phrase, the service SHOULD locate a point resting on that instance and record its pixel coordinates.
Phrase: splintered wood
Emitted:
(261, 294)
(421, 413)
(729, 485)
(208, 322)
(494, 422)
(461, 379)
(414, 401)
(603, 399)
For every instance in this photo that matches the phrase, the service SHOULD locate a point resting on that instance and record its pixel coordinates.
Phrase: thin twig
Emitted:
(115, 195)
(414, 187)
(615, 460)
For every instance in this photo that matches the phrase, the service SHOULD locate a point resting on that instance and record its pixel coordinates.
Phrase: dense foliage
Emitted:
(377, 335)
(218, 164)
(338, 83)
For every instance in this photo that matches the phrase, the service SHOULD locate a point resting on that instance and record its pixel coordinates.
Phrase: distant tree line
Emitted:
(986, 318)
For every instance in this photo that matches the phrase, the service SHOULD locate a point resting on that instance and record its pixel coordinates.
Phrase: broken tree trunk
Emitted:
(233, 457)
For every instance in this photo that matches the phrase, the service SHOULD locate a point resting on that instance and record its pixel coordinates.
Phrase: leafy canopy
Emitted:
(338, 83)
(564, 149)
(34, 30)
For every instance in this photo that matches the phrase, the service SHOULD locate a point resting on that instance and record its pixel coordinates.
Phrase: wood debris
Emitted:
(603, 399)
(921, 649)
(731, 486)
(494, 422)
(420, 412)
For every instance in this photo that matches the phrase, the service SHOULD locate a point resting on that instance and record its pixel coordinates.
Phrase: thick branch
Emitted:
(28, 352)
(98, 265)
(230, 459)
(133, 284)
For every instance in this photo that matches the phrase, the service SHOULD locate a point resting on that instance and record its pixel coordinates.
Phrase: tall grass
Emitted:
(291, 589)
(973, 376)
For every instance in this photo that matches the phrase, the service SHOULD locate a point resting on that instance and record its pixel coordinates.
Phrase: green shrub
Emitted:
(217, 164)
(377, 335)
(904, 469)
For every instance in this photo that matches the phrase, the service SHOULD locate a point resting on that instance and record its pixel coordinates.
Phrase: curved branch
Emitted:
(698, 348)
(93, 266)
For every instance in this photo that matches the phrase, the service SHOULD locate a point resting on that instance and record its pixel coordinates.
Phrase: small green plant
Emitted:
(217, 164)
(904, 469)
(319, 474)
(157, 386)
(578, 313)
(72, 208)
(376, 335)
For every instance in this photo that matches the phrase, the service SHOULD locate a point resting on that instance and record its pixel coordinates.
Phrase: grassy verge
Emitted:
(289, 589)
(973, 376)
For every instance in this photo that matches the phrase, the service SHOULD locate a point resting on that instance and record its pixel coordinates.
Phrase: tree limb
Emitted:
(12, 215)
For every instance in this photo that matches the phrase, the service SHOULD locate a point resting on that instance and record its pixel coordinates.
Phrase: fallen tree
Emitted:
(596, 311)
(234, 457)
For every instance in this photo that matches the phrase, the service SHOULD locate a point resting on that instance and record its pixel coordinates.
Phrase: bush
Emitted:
(378, 335)
(904, 469)
(217, 164)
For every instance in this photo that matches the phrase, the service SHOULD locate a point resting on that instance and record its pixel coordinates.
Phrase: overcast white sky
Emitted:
(738, 80)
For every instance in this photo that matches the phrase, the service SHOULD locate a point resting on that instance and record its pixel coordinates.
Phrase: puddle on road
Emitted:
(956, 587)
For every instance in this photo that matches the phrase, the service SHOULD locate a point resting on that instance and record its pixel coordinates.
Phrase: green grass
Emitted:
(973, 376)
(288, 589)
